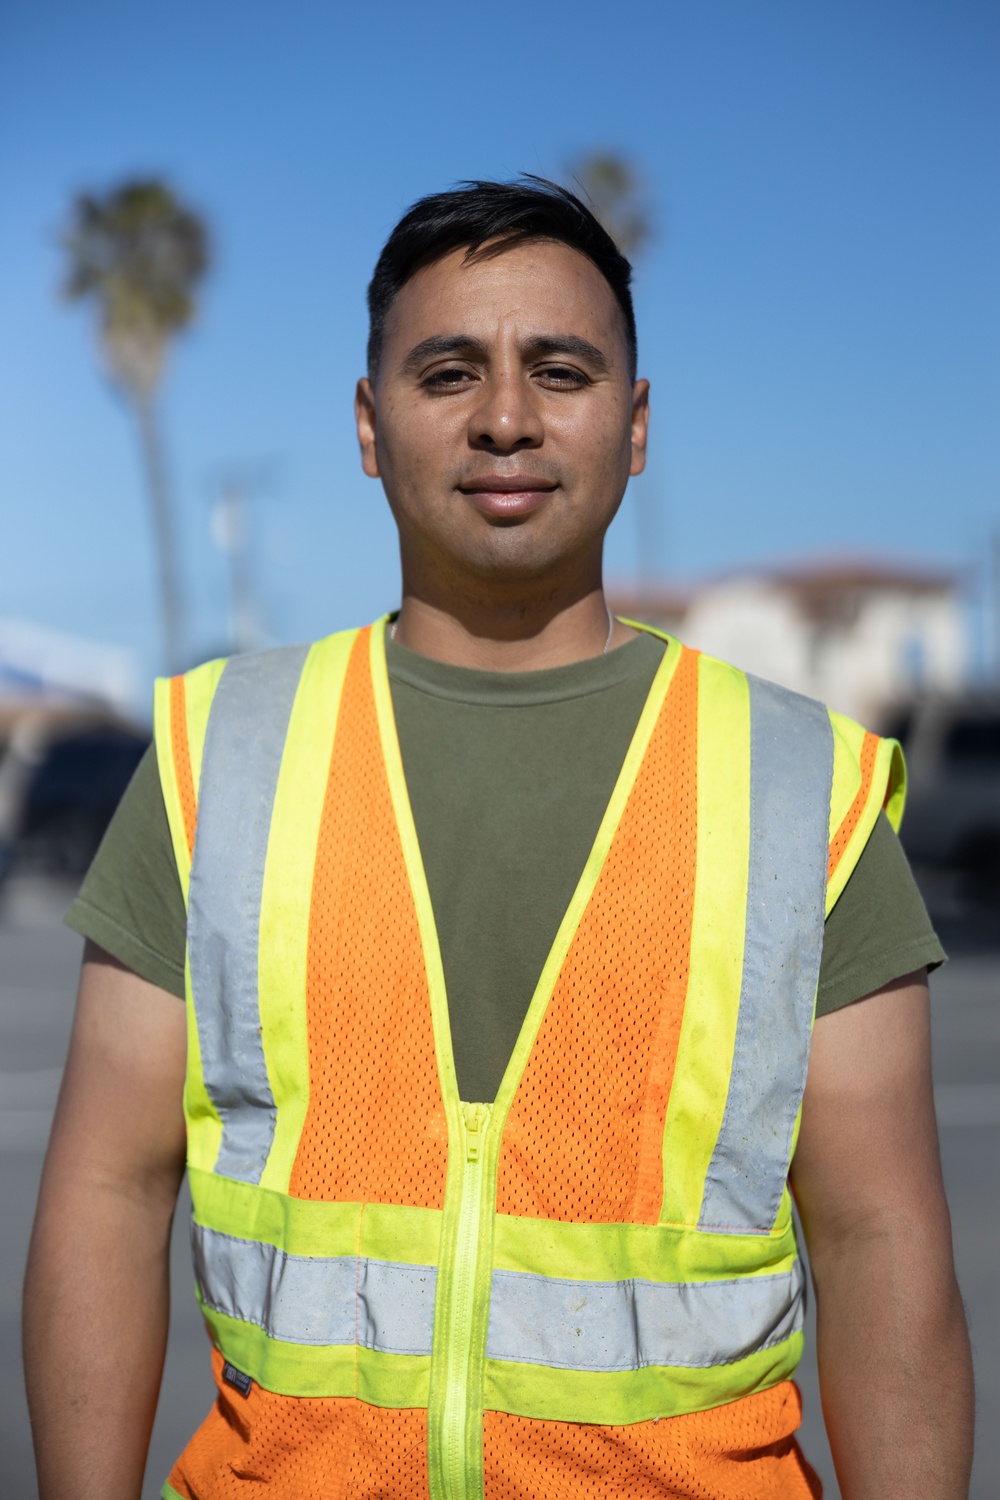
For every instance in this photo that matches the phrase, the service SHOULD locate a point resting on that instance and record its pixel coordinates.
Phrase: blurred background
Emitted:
(192, 200)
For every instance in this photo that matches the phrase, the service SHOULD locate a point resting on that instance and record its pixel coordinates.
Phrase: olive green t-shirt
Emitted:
(509, 775)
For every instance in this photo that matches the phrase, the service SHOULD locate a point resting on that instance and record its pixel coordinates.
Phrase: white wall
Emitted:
(901, 641)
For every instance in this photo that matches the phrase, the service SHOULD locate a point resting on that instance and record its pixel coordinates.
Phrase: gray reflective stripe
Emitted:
(240, 763)
(791, 776)
(627, 1325)
(304, 1299)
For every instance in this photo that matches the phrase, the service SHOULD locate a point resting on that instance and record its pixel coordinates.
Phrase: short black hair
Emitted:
(476, 213)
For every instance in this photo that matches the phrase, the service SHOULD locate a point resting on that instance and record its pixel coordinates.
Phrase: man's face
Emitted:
(503, 422)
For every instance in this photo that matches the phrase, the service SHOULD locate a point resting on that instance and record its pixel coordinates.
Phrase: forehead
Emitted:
(538, 286)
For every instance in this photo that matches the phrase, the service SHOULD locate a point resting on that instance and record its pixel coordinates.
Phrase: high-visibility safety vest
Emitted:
(397, 1277)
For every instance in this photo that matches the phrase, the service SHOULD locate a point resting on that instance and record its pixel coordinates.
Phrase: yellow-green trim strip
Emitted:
(164, 740)
(418, 881)
(848, 738)
(204, 1126)
(651, 1252)
(894, 795)
(888, 788)
(711, 1009)
(391, 1380)
(383, 1231)
(201, 686)
(585, 886)
(286, 895)
(613, 1399)
(199, 690)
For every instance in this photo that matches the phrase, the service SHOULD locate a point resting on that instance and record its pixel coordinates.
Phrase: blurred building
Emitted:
(35, 660)
(69, 743)
(861, 635)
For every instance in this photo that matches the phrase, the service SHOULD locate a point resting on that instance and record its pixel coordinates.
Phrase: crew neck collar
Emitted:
(522, 689)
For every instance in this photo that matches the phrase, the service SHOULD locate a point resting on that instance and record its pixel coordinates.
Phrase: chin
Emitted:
(514, 552)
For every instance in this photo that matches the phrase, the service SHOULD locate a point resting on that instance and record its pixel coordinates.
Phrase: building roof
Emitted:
(825, 587)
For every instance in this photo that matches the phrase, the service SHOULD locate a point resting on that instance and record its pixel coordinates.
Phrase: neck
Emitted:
(516, 638)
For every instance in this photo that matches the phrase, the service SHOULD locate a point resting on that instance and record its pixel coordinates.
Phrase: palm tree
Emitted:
(137, 252)
(617, 197)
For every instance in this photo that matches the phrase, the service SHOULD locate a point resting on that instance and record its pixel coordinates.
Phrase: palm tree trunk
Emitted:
(163, 530)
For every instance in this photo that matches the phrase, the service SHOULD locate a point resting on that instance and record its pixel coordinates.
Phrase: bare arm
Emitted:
(96, 1296)
(894, 1360)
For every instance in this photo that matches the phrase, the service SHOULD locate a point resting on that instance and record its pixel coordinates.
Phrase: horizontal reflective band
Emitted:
(301, 1299)
(629, 1325)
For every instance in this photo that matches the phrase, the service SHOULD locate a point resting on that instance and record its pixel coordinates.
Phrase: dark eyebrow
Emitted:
(441, 345)
(567, 343)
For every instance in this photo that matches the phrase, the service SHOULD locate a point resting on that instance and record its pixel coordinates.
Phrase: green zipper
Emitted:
(462, 1471)
(461, 1317)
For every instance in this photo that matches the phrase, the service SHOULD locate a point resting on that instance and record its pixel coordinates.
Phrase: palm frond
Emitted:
(138, 253)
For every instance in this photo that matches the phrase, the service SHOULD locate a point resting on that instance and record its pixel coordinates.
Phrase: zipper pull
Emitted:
(475, 1119)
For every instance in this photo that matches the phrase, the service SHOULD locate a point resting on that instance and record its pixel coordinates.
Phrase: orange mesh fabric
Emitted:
(182, 758)
(841, 839)
(745, 1450)
(375, 1128)
(583, 1140)
(261, 1446)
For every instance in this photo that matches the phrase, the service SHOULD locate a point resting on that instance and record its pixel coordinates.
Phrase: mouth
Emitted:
(504, 497)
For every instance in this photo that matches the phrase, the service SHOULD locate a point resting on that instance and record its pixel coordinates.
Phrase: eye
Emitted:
(561, 376)
(448, 378)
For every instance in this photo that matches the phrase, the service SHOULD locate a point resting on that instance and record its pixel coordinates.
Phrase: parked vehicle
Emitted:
(952, 821)
(63, 769)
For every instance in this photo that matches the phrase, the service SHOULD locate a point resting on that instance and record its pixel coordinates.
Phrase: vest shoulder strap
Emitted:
(869, 776)
(246, 692)
(868, 771)
(181, 707)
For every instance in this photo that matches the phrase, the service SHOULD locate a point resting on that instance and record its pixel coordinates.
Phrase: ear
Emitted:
(364, 416)
(640, 425)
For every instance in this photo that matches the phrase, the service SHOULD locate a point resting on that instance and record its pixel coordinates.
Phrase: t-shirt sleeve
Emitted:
(131, 903)
(879, 929)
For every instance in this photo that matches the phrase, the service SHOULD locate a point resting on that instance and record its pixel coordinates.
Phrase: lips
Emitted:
(504, 497)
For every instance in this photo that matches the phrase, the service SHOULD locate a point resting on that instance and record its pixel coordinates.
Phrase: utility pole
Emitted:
(230, 529)
(649, 518)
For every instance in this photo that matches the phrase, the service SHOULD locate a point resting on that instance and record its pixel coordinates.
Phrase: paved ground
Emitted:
(38, 962)
(39, 959)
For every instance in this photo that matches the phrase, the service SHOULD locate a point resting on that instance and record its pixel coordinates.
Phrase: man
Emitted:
(504, 928)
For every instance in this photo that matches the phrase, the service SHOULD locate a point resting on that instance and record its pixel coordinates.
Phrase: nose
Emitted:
(507, 418)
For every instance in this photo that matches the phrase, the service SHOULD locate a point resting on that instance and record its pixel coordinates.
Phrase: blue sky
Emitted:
(819, 313)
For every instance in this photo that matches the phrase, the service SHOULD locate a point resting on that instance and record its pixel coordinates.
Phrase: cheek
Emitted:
(602, 437)
(400, 445)
(416, 439)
